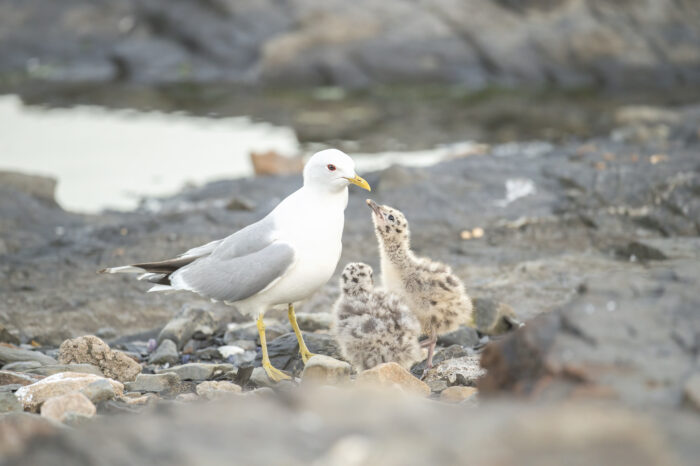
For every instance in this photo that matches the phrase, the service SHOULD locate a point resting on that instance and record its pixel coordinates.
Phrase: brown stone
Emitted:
(272, 163)
(390, 374)
(91, 350)
(321, 369)
(57, 408)
(214, 390)
(457, 393)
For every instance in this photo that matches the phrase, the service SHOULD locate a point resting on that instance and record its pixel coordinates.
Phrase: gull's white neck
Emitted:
(313, 212)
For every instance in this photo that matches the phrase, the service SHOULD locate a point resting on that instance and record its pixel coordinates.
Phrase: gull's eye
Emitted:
(391, 218)
(331, 167)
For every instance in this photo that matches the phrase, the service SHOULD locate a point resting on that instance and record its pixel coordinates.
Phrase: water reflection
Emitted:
(110, 158)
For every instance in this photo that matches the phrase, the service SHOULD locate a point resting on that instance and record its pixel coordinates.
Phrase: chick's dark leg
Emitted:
(431, 349)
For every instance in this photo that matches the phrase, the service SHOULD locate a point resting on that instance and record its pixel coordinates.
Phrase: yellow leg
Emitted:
(274, 374)
(305, 353)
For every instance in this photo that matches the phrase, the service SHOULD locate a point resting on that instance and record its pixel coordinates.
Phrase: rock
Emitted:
(243, 359)
(259, 378)
(692, 390)
(76, 420)
(215, 390)
(460, 371)
(106, 333)
(16, 378)
(167, 382)
(32, 396)
(230, 350)
(324, 370)
(273, 163)
(137, 399)
(165, 354)
(99, 391)
(11, 388)
(52, 369)
(248, 345)
(9, 403)
(8, 355)
(312, 321)
(209, 353)
(18, 429)
(39, 187)
(198, 370)
(494, 317)
(284, 350)
(57, 408)
(240, 203)
(21, 366)
(5, 335)
(451, 352)
(187, 397)
(457, 394)
(463, 336)
(390, 374)
(190, 322)
(91, 350)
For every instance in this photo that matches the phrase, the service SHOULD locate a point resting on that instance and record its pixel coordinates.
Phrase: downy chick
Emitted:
(373, 326)
(434, 294)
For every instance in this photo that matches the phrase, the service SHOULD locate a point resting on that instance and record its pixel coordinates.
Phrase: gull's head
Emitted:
(390, 223)
(356, 279)
(332, 169)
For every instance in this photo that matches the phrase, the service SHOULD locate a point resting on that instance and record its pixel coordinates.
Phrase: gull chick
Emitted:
(434, 294)
(373, 326)
(281, 259)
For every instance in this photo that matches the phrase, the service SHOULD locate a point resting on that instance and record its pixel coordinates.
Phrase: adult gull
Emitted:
(281, 259)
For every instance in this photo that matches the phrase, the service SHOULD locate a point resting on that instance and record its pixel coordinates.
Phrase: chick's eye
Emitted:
(331, 167)
(391, 218)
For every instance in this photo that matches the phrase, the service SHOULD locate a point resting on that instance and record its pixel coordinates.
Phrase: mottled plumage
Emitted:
(373, 326)
(434, 294)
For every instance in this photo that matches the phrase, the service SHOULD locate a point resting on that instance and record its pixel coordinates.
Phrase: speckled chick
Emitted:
(373, 326)
(434, 294)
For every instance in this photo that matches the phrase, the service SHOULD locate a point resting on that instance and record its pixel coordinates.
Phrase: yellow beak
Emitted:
(359, 181)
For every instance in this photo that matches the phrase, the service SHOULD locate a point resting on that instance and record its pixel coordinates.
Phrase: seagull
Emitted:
(281, 259)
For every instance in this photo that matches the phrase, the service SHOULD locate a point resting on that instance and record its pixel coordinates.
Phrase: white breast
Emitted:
(315, 233)
(391, 276)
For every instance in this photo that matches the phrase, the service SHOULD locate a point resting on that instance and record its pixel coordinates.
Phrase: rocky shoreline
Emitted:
(594, 245)
(475, 43)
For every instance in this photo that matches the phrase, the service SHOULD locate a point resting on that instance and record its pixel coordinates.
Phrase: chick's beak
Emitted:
(359, 181)
(374, 206)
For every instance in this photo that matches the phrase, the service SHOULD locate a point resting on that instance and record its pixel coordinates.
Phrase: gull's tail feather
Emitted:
(123, 269)
(154, 272)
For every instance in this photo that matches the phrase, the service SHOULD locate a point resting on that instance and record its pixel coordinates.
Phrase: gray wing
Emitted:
(226, 278)
(252, 238)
